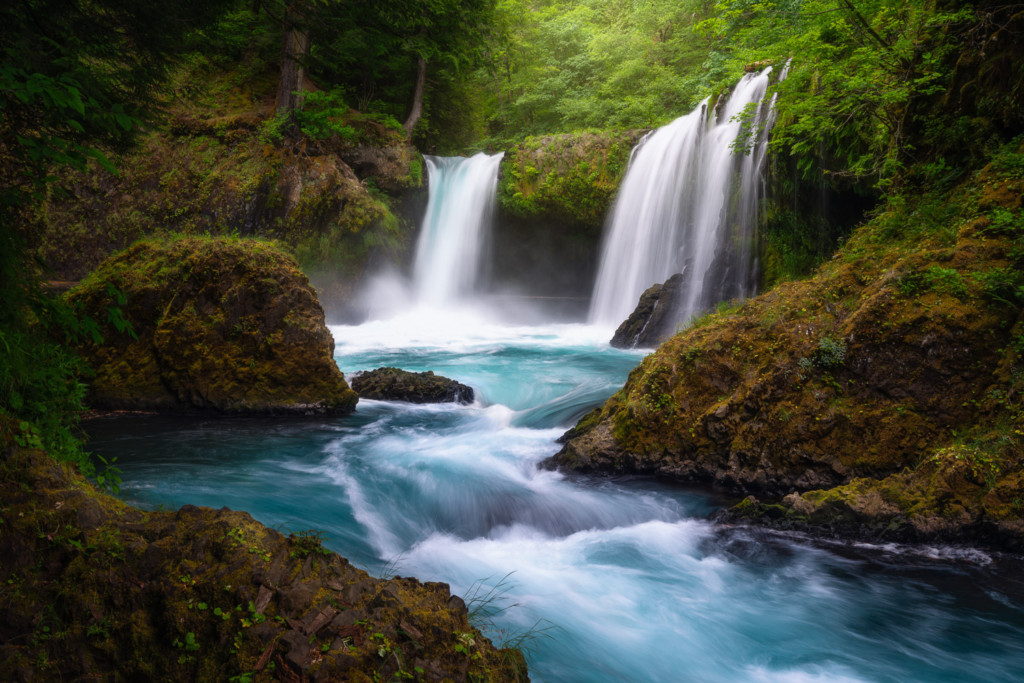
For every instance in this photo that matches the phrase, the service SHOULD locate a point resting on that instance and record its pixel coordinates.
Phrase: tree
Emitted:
(385, 53)
(294, 53)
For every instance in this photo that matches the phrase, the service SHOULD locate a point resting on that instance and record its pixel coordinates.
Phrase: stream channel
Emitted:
(606, 579)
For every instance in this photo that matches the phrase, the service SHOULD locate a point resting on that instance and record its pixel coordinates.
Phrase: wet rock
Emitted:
(457, 604)
(393, 384)
(654, 318)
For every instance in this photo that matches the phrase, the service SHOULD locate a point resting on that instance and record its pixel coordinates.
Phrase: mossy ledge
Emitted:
(216, 161)
(569, 178)
(93, 588)
(220, 326)
(882, 396)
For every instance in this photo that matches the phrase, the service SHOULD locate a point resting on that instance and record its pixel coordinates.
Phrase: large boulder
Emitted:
(653, 320)
(393, 384)
(220, 325)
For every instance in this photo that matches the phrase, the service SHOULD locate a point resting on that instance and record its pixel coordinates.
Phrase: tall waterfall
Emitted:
(455, 228)
(688, 204)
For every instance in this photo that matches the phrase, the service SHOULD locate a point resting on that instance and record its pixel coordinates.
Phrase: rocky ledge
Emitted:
(92, 588)
(886, 393)
(210, 325)
(393, 384)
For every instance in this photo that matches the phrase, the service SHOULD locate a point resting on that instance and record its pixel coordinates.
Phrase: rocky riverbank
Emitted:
(883, 392)
(90, 585)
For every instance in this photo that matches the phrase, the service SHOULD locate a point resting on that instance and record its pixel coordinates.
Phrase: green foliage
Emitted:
(1010, 161)
(933, 278)
(1002, 285)
(322, 115)
(558, 67)
(75, 78)
(829, 355)
(572, 177)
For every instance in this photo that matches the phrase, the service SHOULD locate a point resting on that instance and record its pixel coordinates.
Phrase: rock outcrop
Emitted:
(393, 384)
(90, 588)
(885, 391)
(652, 321)
(570, 178)
(215, 325)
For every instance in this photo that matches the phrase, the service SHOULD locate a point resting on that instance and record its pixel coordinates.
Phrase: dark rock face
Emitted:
(221, 326)
(652, 321)
(393, 384)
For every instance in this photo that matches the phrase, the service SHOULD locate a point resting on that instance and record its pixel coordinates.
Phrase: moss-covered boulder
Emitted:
(220, 325)
(92, 589)
(889, 387)
(393, 384)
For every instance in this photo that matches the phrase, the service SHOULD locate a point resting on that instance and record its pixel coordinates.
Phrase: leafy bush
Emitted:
(1004, 285)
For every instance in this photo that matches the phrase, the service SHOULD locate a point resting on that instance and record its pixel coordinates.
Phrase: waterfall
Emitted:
(455, 228)
(688, 204)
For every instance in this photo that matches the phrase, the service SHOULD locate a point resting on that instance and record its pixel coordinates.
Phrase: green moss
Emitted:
(570, 178)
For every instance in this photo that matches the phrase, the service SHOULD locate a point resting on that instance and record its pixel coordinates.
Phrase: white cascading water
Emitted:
(676, 211)
(455, 227)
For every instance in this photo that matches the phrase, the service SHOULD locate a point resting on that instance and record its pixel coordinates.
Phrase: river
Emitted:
(600, 579)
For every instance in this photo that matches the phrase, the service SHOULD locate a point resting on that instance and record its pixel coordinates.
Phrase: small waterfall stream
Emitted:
(688, 204)
(455, 228)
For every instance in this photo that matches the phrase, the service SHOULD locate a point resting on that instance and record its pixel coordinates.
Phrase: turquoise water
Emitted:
(624, 577)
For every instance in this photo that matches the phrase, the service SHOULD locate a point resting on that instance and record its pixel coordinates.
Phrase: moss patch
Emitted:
(569, 178)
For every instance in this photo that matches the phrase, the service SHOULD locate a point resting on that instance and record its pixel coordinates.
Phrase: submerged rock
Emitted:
(220, 325)
(393, 384)
(205, 595)
(653, 320)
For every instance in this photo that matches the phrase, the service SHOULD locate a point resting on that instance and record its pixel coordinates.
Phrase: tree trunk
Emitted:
(294, 49)
(250, 46)
(417, 96)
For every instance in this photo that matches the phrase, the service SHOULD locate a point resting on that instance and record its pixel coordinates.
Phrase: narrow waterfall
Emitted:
(455, 228)
(688, 204)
